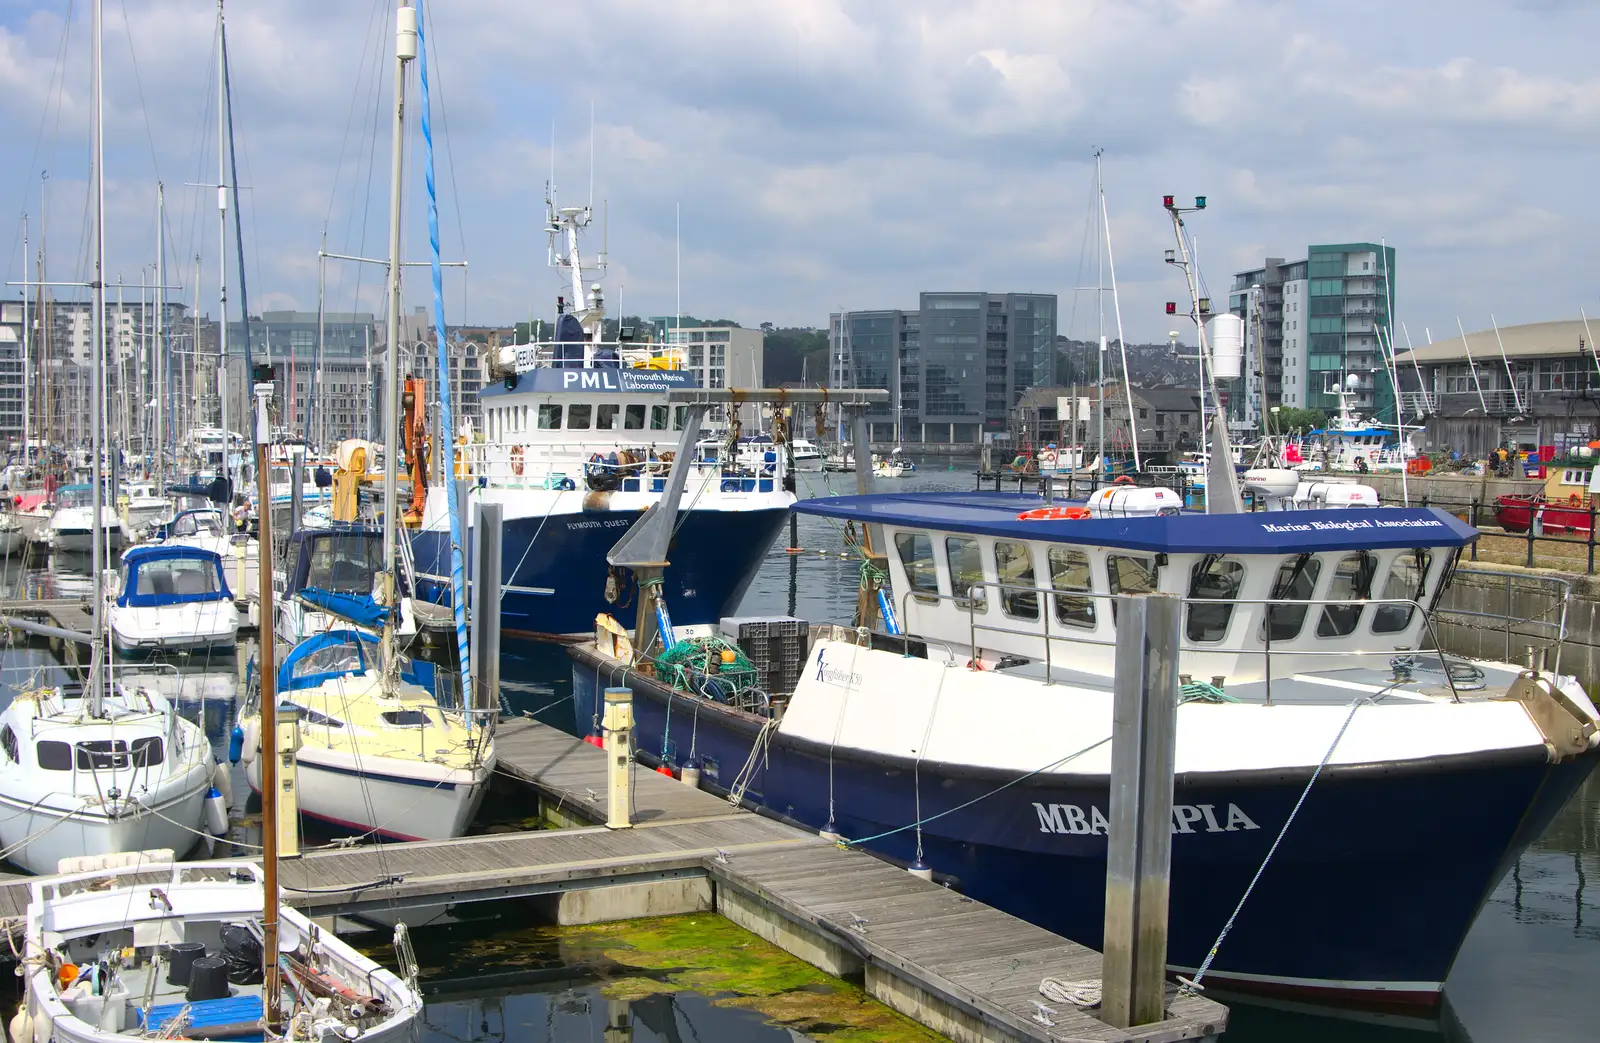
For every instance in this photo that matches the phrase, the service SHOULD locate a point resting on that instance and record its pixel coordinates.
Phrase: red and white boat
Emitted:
(1563, 506)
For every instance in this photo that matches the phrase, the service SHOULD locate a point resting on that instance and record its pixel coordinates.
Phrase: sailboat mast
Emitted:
(1100, 327)
(222, 251)
(160, 353)
(27, 342)
(405, 49)
(97, 192)
(1116, 308)
(272, 985)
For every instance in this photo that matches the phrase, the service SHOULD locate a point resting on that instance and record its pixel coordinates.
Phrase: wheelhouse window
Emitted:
(1069, 572)
(1404, 583)
(916, 557)
(579, 416)
(1352, 581)
(658, 418)
(1217, 579)
(680, 416)
(966, 567)
(605, 416)
(549, 416)
(8, 743)
(633, 418)
(1296, 580)
(1014, 566)
(1130, 574)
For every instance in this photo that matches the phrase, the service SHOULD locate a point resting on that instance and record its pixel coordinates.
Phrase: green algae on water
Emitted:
(708, 954)
(702, 953)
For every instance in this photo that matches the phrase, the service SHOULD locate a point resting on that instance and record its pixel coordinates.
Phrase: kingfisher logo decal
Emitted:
(833, 675)
(1186, 818)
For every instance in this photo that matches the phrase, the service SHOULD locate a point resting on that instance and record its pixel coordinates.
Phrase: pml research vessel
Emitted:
(578, 438)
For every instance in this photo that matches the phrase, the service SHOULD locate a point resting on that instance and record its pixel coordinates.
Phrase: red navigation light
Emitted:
(1167, 201)
(1172, 308)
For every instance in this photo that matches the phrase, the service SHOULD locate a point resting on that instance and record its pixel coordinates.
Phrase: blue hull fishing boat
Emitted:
(1352, 791)
(577, 442)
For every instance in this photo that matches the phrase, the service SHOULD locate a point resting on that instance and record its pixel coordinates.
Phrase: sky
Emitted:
(775, 160)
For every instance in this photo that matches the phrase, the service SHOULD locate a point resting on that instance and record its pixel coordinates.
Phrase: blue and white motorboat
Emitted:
(979, 743)
(73, 521)
(577, 442)
(172, 598)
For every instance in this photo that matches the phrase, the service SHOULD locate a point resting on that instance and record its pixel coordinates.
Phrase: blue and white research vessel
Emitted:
(577, 440)
(980, 743)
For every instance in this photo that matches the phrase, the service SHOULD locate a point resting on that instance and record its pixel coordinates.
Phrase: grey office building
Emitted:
(954, 368)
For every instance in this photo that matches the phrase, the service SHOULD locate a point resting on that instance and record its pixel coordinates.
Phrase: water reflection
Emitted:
(552, 1014)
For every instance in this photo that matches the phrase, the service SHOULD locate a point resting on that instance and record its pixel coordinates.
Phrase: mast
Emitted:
(97, 192)
(311, 409)
(222, 250)
(1222, 484)
(1100, 330)
(1116, 307)
(272, 986)
(194, 353)
(161, 341)
(405, 49)
(27, 342)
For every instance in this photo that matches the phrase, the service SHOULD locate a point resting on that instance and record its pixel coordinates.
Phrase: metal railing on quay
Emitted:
(1542, 517)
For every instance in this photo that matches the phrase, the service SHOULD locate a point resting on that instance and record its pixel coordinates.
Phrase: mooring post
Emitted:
(1139, 859)
(485, 603)
(618, 727)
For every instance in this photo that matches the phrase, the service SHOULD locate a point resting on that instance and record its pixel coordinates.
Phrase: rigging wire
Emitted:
(53, 90)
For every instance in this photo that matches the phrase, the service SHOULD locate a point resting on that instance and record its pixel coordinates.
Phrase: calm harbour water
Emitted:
(1524, 973)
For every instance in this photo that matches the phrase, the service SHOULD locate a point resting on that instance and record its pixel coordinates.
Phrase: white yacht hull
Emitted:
(11, 541)
(393, 799)
(183, 627)
(57, 833)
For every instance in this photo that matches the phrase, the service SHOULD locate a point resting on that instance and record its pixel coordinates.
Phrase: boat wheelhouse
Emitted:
(85, 776)
(1564, 505)
(978, 741)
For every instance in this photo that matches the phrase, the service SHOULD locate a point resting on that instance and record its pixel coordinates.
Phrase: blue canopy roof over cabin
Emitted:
(151, 581)
(1260, 532)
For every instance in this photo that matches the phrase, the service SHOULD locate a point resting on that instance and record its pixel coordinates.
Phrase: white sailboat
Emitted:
(380, 754)
(204, 952)
(105, 768)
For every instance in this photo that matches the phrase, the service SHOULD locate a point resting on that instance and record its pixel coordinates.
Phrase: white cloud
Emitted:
(828, 152)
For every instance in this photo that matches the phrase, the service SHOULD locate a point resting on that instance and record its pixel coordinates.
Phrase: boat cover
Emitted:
(359, 609)
(150, 585)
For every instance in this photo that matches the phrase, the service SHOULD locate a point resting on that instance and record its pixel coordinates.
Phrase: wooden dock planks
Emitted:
(975, 959)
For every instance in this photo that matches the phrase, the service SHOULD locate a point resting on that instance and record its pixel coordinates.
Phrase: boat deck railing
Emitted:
(1401, 660)
(640, 466)
(622, 354)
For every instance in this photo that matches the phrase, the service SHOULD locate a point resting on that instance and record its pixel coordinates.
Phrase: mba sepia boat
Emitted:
(979, 743)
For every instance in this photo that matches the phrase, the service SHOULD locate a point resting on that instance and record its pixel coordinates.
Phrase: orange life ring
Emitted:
(516, 460)
(1574, 499)
(1054, 514)
(1123, 479)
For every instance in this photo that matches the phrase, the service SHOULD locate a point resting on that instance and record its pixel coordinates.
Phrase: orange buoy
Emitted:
(1054, 514)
